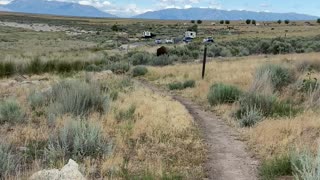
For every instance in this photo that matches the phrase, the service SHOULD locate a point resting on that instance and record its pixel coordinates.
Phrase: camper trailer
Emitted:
(190, 34)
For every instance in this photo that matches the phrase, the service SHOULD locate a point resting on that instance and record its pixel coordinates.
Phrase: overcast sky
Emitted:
(126, 8)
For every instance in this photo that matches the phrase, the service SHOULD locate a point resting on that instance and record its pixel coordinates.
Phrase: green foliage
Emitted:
(221, 21)
(266, 105)
(287, 21)
(175, 86)
(193, 28)
(199, 21)
(139, 71)
(306, 166)
(254, 22)
(77, 98)
(127, 114)
(248, 21)
(36, 99)
(77, 140)
(221, 93)
(318, 20)
(119, 67)
(8, 163)
(250, 117)
(192, 21)
(276, 167)
(280, 76)
(279, 21)
(7, 69)
(227, 22)
(11, 112)
(115, 28)
(162, 60)
(35, 66)
(140, 58)
(189, 84)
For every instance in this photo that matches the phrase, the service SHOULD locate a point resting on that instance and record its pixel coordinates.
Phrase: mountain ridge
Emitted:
(217, 14)
(54, 8)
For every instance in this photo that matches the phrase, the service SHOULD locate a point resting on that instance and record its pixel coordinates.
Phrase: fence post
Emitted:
(204, 61)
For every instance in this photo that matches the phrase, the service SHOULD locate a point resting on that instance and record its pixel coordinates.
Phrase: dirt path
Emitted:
(227, 155)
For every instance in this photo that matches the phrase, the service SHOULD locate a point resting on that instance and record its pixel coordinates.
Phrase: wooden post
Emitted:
(204, 61)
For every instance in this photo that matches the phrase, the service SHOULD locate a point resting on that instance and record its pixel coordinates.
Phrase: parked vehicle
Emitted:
(158, 41)
(208, 40)
(187, 39)
(169, 41)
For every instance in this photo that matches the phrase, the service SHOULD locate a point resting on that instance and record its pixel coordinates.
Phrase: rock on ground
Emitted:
(68, 172)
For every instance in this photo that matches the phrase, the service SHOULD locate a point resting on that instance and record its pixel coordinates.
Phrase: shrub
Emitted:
(254, 22)
(221, 21)
(175, 86)
(77, 98)
(7, 69)
(227, 22)
(163, 60)
(7, 161)
(267, 106)
(280, 76)
(318, 20)
(306, 166)
(221, 93)
(77, 139)
(250, 117)
(36, 99)
(248, 21)
(189, 84)
(287, 21)
(11, 112)
(93, 68)
(199, 21)
(119, 67)
(279, 21)
(141, 58)
(35, 66)
(139, 71)
(276, 167)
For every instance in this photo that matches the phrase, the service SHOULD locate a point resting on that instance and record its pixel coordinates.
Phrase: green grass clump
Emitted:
(127, 114)
(280, 76)
(139, 71)
(273, 168)
(267, 105)
(7, 69)
(189, 84)
(250, 117)
(175, 86)
(306, 166)
(8, 162)
(77, 140)
(77, 98)
(221, 93)
(36, 99)
(11, 112)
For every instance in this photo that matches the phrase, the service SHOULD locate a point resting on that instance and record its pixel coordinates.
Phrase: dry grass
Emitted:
(159, 139)
(270, 137)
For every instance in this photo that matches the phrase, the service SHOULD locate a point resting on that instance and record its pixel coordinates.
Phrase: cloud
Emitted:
(4, 2)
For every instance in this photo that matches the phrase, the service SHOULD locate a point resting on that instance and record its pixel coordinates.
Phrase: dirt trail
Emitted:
(227, 155)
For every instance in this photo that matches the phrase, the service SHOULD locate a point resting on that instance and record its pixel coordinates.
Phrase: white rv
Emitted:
(146, 34)
(190, 34)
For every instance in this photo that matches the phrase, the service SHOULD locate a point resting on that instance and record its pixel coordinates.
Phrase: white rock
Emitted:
(68, 172)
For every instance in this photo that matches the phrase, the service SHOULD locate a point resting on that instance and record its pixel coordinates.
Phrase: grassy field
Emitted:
(262, 80)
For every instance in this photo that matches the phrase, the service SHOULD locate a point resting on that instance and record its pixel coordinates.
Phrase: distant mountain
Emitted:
(54, 8)
(216, 14)
(4, 9)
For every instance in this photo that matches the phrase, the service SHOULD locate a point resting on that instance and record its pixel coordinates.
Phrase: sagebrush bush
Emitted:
(139, 71)
(10, 111)
(162, 60)
(140, 58)
(267, 105)
(280, 76)
(306, 166)
(276, 167)
(77, 98)
(222, 93)
(119, 67)
(250, 117)
(77, 139)
(8, 163)
(36, 99)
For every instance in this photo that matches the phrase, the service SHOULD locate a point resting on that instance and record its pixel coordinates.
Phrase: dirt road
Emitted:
(227, 155)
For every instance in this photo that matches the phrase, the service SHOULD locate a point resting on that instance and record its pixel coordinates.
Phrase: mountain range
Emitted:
(216, 14)
(55, 7)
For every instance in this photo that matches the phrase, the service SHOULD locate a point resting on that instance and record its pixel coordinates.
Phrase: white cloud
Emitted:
(4, 2)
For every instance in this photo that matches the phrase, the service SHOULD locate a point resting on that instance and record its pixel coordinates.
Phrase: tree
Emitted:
(193, 28)
(115, 28)
(248, 21)
(279, 21)
(227, 22)
(318, 20)
(221, 21)
(287, 21)
(254, 22)
(199, 22)
(193, 21)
